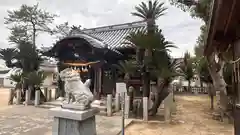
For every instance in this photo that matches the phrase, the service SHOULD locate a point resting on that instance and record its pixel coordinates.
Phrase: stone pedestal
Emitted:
(73, 122)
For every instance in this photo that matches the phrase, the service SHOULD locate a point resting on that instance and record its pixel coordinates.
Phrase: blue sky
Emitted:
(177, 26)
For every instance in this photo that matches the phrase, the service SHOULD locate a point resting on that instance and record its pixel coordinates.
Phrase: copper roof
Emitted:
(111, 36)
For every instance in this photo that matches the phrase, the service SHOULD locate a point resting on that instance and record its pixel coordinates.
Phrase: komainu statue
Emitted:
(77, 92)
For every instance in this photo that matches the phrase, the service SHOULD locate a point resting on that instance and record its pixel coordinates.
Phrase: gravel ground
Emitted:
(193, 118)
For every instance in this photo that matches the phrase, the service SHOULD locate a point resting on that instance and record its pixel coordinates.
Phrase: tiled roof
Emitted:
(110, 36)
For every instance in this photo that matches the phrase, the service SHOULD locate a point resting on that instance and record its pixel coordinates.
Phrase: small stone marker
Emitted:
(18, 95)
(49, 95)
(45, 93)
(37, 98)
(109, 105)
(11, 96)
(145, 108)
(167, 107)
(127, 106)
(27, 97)
(117, 102)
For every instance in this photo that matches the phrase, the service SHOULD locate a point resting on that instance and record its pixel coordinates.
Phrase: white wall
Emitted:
(49, 79)
(50, 71)
(8, 83)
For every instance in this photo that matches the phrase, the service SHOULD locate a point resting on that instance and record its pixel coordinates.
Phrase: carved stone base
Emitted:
(75, 107)
(73, 122)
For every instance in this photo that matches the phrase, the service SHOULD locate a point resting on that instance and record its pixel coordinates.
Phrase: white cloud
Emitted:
(177, 26)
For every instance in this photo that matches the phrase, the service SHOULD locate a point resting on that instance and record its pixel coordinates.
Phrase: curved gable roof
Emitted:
(114, 35)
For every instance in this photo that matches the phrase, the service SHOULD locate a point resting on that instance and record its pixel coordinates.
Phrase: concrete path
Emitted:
(28, 120)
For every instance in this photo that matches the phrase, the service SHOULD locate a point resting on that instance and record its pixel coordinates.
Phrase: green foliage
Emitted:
(18, 34)
(27, 57)
(186, 67)
(30, 18)
(159, 62)
(199, 9)
(8, 55)
(142, 40)
(153, 44)
(17, 78)
(153, 10)
(36, 78)
(204, 71)
(63, 30)
(126, 67)
(164, 67)
(150, 12)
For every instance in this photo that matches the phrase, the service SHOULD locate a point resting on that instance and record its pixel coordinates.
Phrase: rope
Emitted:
(235, 61)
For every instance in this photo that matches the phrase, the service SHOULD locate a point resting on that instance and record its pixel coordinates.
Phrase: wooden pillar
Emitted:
(236, 53)
(99, 80)
(114, 77)
(97, 83)
(95, 89)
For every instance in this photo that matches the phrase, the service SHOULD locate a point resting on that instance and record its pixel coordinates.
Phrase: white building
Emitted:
(49, 67)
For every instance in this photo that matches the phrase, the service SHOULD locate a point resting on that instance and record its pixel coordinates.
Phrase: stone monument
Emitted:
(75, 116)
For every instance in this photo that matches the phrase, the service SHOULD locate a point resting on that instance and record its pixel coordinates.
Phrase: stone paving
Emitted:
(28, 120)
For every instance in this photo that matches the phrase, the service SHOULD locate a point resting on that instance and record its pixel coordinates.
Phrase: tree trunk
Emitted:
(131, 96)
(146, 84)
(211, 92)
(146, 75)
(147, 57)
(34, 34)
(60, 90)
(212, 102)
(201, 84)
(139, 55)
(60, 84)
(161, 94)
(216, 72)
(189, 86)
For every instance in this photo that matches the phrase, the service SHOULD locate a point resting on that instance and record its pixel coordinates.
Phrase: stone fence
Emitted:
(168, 106)
(48, 93)
(195, 89)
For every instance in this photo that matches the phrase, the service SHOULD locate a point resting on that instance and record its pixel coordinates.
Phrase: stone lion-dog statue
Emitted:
(77, 92)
